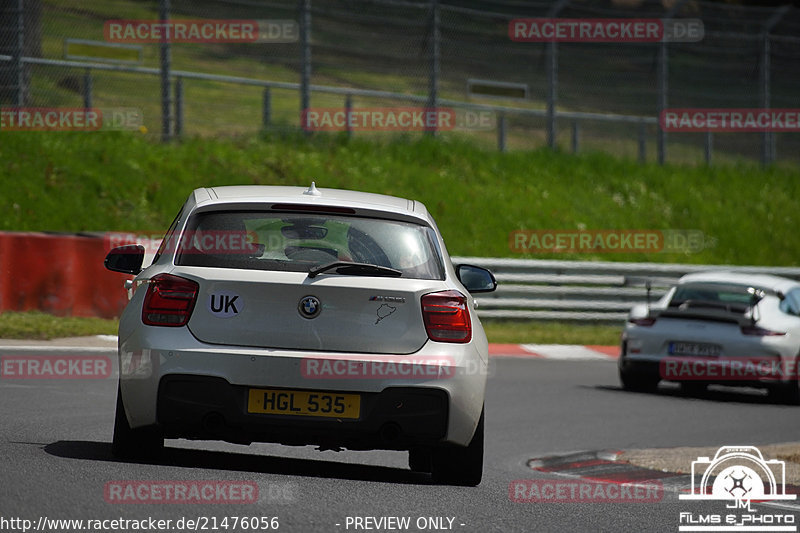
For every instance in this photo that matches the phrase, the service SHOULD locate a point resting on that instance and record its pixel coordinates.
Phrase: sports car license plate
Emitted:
(304, 403)
(697, 349)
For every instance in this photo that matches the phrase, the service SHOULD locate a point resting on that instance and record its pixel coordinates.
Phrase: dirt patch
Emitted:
(679, 460)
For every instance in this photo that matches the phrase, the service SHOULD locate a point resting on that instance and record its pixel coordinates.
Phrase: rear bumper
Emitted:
(169, 378)
(198, 407)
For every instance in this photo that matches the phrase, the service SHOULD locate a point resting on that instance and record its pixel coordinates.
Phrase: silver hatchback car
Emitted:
(304, 316)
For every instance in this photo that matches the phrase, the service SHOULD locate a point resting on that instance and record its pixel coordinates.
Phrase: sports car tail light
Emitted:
(446, 317)
(760, 332)
(169, 301)
(646, 321)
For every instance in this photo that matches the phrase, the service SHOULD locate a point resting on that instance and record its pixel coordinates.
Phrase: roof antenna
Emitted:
(312, 191)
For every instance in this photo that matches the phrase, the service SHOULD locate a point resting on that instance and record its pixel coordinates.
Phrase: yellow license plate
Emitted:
(304, 403)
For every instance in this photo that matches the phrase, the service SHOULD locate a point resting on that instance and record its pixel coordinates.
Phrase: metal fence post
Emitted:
(642, 142)
(576, 134)
(166, 67)
(348, 107)
(179, 106)
(305, 56)
(433, 76)
(19, 68)
(87, 89)
(266, 110)
(663, 85)
(768, 137)
(765, 90)
(552, 78)
(501, 132)
(709, 147)
(661, 137)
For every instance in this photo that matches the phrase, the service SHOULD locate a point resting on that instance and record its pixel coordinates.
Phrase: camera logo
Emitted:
(738, 473)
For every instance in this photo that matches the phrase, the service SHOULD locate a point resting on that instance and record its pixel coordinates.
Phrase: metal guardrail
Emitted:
(583, 291)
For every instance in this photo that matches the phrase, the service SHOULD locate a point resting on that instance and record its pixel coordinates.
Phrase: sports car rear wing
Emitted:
(704, 313)
(740, 313)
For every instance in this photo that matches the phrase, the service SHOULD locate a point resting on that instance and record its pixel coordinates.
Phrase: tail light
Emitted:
(446, 317)
(169, 300)
(760, 332)
(646, 321)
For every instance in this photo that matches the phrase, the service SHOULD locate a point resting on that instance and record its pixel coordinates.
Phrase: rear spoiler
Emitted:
(717, 315)
(704, 311)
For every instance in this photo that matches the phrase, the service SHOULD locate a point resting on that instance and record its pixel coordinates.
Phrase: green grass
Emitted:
(111, 181)
(36, 325)
(541, 332)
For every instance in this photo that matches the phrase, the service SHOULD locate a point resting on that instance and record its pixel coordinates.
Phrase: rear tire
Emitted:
(140, 443)
(460, 465)
(638, 382)
(786, 393)
(694, 388)
(419, 459)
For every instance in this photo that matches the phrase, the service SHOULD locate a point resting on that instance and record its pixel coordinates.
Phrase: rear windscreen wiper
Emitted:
(355, 269)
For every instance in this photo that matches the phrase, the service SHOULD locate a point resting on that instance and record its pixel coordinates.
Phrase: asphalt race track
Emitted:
(57, 462)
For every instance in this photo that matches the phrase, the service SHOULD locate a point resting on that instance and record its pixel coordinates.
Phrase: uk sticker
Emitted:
(225, 304)
(738, 475)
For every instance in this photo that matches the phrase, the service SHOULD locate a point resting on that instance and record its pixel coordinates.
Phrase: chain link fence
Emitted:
(369, 53)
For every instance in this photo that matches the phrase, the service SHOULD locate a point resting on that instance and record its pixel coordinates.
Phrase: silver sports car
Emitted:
(725, 328)
(304, 316)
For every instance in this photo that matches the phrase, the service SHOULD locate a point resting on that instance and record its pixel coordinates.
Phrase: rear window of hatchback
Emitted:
(297, 242)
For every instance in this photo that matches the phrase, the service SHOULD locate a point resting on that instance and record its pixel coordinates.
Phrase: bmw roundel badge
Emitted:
(309, 306)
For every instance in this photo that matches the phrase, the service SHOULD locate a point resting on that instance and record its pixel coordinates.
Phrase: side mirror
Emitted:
(126, 259)
(476, 279)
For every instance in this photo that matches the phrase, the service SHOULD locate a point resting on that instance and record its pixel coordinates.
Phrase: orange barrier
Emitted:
(58, 274)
